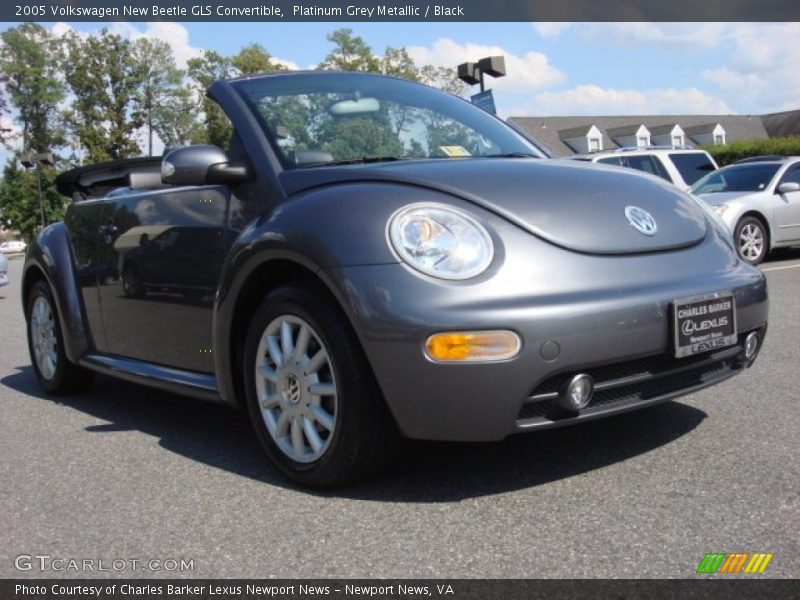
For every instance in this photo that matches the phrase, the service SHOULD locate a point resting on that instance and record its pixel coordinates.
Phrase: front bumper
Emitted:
(573, 312)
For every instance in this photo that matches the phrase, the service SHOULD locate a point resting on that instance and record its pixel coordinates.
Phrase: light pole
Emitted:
(472, 73)
(35, 160)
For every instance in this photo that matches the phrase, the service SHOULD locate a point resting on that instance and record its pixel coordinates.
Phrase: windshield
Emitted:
(314, 119)
(737, 178)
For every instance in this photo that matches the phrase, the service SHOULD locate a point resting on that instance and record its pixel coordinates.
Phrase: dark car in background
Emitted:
(372, 257)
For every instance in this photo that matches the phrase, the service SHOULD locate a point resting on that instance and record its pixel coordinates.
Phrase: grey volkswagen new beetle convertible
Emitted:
(371, 257)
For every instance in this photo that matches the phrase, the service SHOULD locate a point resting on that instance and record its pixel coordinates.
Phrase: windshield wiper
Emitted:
(511, 155)
(355, 161)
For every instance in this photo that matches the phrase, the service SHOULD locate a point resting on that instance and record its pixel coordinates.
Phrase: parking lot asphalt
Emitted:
(126, 472)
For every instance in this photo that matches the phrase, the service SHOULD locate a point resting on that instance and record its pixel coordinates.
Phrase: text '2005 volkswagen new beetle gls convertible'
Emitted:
(370, 258)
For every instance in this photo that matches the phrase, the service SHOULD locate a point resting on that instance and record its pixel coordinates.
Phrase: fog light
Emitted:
(577, 393)
(464, 346)
(751, 345)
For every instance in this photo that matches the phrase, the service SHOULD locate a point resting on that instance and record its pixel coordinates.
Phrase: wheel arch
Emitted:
(33, 273)
(49, 258)
(756, 214)
(236, 307)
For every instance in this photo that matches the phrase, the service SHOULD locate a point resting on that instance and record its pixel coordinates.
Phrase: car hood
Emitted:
(573, 205)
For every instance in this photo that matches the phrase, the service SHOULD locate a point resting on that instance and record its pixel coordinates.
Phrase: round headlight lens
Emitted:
(440, 241)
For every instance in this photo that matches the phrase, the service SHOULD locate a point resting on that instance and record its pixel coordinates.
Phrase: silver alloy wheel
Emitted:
(751, 241)
(296, 388)
(43, 337)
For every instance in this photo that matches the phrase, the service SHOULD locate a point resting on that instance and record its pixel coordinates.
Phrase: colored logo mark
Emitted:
(734, 562)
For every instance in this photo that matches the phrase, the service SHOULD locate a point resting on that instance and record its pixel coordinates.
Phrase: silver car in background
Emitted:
(13, 247)
(758, 198)
(3, 270)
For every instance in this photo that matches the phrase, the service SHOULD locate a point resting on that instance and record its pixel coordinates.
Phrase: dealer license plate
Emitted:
(703, 323)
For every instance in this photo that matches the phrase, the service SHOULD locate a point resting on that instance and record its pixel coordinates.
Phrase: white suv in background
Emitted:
(681, 165)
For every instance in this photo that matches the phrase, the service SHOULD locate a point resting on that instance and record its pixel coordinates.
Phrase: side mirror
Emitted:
(787, 187)
(200, 165)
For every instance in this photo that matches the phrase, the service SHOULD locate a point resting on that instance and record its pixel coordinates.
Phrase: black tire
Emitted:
(751, 239)
(131, 284)
(67, 377)
(364, 436)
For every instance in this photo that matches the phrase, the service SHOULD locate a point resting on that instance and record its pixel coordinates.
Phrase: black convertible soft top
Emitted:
(96, 180)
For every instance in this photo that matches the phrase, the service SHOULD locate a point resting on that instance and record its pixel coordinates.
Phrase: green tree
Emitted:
(733, 151)
(397, 63)
(29, 74)
(19, 198)
(105, 79)
(350, 53)
(175, 120)
(160, 81)
(444, 78)
(5, 134)
(203, 71)
(253, 59)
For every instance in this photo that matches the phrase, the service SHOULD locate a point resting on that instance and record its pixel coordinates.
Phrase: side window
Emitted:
(167, 239)
(793, 176)
(661, 170)
(611, 160)
(692, 165)
(647, 164)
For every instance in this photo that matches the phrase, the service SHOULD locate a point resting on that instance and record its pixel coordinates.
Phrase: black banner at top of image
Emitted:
(401, 10)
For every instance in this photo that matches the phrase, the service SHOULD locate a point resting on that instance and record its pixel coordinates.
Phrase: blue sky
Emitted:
(553, 68)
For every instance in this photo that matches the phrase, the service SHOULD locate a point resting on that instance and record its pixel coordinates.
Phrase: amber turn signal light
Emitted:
(465, 346)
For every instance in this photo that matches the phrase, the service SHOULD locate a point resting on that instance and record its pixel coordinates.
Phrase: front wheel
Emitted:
(751, 240)
(311, 395)
(56, 374)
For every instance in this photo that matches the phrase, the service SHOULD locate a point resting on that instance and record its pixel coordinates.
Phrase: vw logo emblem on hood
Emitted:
(641, 220)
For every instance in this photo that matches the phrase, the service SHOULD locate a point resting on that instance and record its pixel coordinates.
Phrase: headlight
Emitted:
(440, 241)
(714, 214)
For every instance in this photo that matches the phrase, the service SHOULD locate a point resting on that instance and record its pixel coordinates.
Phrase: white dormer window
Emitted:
(642, 141)
(595, 144)
(678, 140)
(719, 139)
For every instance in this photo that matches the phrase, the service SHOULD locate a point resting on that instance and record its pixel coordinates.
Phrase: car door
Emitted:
(787, 208)
(83, 219)
(150, 312)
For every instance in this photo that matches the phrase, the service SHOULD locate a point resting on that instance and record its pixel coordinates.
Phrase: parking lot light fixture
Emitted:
(35, 160)
(472, 72)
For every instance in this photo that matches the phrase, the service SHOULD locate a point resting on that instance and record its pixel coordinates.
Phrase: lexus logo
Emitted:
(641, 220)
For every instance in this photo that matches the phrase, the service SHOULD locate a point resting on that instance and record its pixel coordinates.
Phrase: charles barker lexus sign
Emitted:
(704, 323)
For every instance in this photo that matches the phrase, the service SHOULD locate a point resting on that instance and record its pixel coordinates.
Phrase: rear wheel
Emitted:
(751, 240)
(56, 374)
(311, 394)
(131, 284)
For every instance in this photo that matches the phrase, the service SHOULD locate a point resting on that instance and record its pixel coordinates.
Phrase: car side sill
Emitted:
(188, 383)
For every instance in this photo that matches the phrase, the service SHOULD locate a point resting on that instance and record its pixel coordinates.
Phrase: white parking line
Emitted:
(782, 268)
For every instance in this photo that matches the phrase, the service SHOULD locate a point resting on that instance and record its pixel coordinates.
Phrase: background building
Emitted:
(564, 136)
